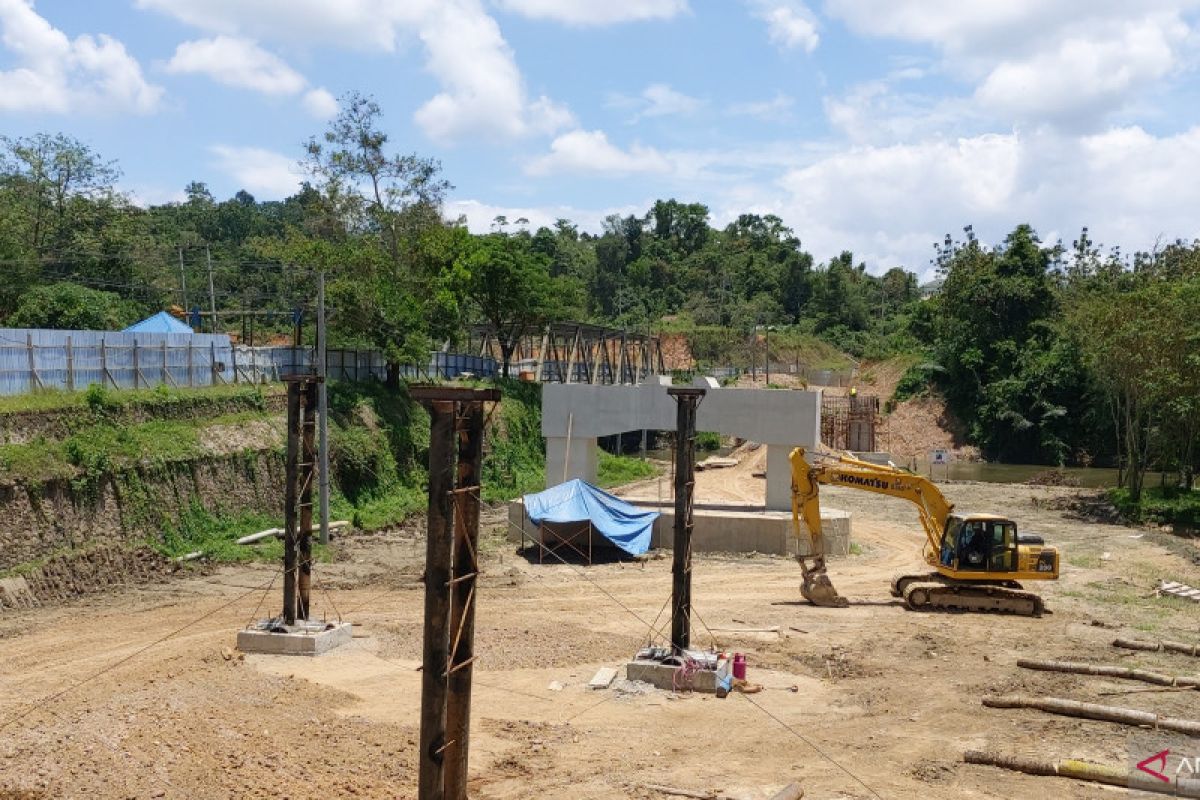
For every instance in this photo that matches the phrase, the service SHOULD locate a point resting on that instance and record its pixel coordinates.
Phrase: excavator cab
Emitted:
(979, 544)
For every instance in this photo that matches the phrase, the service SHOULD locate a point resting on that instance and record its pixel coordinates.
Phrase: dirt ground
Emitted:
(139, 693)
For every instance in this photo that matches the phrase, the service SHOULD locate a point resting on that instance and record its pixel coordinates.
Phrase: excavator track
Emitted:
(942, 596)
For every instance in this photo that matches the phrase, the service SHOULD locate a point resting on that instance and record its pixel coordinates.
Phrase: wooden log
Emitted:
(1073, 708)
(1085, 771)
(1146, 676)
(1171, 647)
(790, 792)
(672, 790)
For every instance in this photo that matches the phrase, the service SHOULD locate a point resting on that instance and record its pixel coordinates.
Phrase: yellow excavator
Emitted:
(978, 560)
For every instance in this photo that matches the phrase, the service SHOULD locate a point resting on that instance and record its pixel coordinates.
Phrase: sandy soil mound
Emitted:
(923, 424)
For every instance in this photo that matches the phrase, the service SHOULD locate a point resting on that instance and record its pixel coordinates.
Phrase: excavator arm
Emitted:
(846, 470)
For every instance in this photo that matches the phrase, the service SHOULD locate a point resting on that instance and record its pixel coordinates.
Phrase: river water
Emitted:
(1091, 477)
(1088, 477)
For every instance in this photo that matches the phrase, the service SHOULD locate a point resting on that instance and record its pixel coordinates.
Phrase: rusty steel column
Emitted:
(451, 569)
(687, 400)
(437, 600)
(291, 492)
(307, 476)
(462, 606)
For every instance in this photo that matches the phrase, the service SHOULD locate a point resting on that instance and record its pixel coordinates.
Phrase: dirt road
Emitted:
(132, 696)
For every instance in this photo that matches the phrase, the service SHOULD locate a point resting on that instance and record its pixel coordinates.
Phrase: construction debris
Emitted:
(1174, 589)
(1084, 771)
(1073, 708)
(1125, 673)
(1164, 646)
(790, 792)
(717, 462)
(278, 533)
(603, 678)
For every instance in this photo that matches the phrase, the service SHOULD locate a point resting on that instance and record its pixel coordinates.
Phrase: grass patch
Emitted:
(618, 470)
(216, 534)
(1158, 505)
(1084, 560)
(121, 399)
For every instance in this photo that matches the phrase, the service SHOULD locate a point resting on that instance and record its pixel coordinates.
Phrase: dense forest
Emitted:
(1049, 354)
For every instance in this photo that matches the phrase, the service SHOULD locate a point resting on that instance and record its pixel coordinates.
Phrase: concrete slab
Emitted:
(573, 415)
(301, 639)
(671, 678)
(724, 529)
(603, 678)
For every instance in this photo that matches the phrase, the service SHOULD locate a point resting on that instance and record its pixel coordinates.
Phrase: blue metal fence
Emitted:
(33, 360)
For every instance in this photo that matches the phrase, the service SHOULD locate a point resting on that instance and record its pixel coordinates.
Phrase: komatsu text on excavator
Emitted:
(978, 560)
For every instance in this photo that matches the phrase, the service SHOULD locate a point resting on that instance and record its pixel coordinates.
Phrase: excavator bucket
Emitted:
(817, 588)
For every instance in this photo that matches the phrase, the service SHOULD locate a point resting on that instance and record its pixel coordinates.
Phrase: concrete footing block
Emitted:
(672, 678)
(301, 639)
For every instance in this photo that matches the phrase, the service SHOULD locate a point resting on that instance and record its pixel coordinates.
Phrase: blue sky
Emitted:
(871, 125)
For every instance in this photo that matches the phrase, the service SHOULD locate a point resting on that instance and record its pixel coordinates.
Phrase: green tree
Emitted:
(510, 287)
(396, 292)
(68, 306)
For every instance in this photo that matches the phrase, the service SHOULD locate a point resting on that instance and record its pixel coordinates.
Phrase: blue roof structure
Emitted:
(625, 525)
(162, 322)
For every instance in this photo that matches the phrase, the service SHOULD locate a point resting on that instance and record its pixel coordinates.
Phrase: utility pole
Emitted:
(322, 409)
(212, 295)
(182, 281)
(767, 356)
(687, 400)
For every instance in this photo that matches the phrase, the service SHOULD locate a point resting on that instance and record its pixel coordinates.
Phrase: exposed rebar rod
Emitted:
(437, 601)
(463, 594)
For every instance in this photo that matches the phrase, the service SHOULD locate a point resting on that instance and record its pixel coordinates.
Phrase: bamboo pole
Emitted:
(1172, 647)
(1073, 708)
(1146, 676)
(1085, 771)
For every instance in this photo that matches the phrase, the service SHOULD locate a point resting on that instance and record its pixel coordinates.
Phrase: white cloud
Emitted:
(1073, 63)
(237, 62)
(595, 12)
(777, 108)
(355, 24)
(320, 103)
(479, 215)
(483, 94)
(258, 170)
(1081, 77)
(656, 100)
(789, 23)
(61, 75)
(663, 101)
(583, 151)
(890, 204)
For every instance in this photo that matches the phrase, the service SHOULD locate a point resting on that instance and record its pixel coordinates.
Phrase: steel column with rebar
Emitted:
(307, 477)
(451, 573)
(687, 400)
(290, 495)
(462, 601)
(300, 474)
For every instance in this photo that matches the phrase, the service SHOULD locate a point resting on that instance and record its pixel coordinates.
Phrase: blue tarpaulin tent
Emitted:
(162, 322)
(625, 525)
